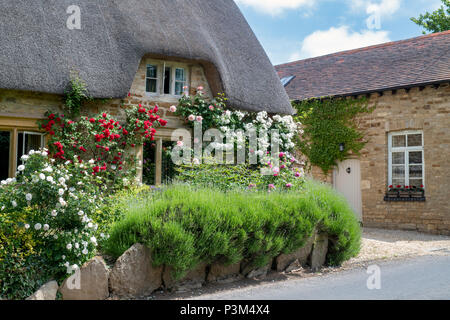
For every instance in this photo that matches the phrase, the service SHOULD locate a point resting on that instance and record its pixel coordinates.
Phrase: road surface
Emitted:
(426, 277)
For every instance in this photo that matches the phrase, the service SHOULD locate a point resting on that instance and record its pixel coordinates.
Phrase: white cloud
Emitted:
(275, 7)
(338, 39)
(383, 8)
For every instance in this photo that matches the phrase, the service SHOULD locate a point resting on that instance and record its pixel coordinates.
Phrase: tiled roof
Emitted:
(394, 65)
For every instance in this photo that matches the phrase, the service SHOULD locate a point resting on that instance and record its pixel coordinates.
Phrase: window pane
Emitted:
(398, 158)
(152, 71)
(167, 80)
(398, 172)
(415, 157)
(179, 88)
(398, 141)
(32, 142)
(415, 171)
(27, 142)
(398, 182)
(416, 182)
(151, 85)
(414, 140)
(179, 74)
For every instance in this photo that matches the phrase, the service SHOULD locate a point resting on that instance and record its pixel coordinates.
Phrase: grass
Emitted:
(184, 225)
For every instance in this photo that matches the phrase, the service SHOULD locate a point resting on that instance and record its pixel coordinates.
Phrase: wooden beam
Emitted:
(158, 162)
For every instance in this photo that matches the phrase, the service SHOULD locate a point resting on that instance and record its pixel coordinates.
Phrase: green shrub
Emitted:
(242, 177)
(184, 225)
(22, 270)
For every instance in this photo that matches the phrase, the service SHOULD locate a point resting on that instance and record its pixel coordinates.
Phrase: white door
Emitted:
(347, 180)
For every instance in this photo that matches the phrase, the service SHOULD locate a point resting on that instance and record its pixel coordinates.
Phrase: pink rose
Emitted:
(199, 118)
(173, 109)
(211, 108)
(180, 143)
(191, 117)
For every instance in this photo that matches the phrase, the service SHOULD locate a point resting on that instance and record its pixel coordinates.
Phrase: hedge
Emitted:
(184, 226)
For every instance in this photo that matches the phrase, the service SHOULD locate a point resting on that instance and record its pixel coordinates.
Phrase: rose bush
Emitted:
(59, 200)
(216, 114)
(237, 128)
(104, 141)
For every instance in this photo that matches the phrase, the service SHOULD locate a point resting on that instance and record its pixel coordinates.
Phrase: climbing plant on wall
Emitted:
(75, 96)
(330, 129)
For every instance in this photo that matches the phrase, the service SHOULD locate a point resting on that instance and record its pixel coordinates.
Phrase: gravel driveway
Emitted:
(380, 244)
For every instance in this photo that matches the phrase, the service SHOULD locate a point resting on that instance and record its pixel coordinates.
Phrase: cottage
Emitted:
(409, 131)
(150, 49)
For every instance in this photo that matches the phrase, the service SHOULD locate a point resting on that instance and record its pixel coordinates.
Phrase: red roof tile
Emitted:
(394, 65)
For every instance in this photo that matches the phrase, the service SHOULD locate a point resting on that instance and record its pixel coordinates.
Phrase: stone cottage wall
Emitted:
(426, 109)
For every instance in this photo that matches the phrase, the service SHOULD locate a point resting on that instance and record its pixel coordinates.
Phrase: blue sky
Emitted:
(291, 30)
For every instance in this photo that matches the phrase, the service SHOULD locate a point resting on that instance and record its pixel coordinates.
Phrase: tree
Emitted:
(436, 21)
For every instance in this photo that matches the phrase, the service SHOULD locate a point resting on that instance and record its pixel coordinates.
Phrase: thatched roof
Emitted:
(395, 65)
(38, 51)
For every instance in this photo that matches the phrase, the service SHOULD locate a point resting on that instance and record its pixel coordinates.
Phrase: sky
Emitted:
(291, 30)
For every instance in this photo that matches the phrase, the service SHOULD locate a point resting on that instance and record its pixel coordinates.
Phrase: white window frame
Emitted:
(175, 80)
(162, 65)
(406, 150)
(158, 70)
(25, 133)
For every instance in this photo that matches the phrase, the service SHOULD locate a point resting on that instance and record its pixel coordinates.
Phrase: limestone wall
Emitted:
(426, 109)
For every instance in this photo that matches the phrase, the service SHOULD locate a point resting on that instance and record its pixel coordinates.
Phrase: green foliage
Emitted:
(437, 21)
(75, 96)
(46, 225)
(242, 177)
(199, 106)
(184, 226)
(328, 123)
(103, 141)
(114, 206)
(22, 270)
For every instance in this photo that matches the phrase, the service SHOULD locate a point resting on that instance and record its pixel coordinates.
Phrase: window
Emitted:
(180, 81)
(14, 144)
(152, 79)
(406, 159)
(27, 141)
(170, 81)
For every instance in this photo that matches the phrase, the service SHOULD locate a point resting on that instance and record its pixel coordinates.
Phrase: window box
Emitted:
(392, 194)
(404, 194)
(416, 194)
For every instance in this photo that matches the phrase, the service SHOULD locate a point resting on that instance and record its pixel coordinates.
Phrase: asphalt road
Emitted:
(416, 278)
